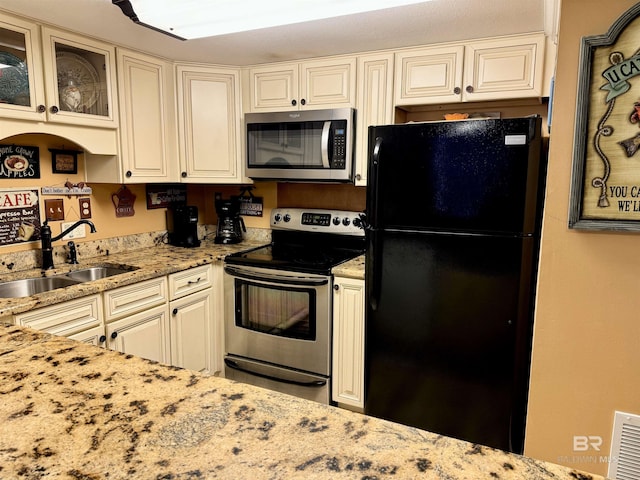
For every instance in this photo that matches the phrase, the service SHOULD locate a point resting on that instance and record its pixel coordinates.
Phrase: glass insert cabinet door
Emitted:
(55, 76)
(21, 80)
(79, 79)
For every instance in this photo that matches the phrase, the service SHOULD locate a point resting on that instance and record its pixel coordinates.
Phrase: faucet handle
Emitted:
(72, 256)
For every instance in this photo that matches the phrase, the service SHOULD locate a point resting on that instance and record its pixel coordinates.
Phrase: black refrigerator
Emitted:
(454, 212)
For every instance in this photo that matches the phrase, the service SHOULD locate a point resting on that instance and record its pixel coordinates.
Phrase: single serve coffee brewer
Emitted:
(182, 225)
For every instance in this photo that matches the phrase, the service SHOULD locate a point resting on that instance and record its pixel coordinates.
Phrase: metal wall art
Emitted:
(605, 184)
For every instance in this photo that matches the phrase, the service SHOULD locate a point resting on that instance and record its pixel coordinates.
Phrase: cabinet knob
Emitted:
(469, 89)
(114, 335)
(358, 177)
(457, 90)
(54, 109)
(183, 174)
(175, 311)
(303, 102)
(41, 109)
(102, 339)
(128, 174)
(294, 102)
(336, 287)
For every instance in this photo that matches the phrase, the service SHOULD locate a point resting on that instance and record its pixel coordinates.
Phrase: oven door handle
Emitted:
(234, 365)
(283, 279)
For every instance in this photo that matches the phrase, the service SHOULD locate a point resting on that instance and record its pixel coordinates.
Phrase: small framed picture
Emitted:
(64, 161)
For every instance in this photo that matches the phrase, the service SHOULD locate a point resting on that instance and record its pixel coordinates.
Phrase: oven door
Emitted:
(282, 318)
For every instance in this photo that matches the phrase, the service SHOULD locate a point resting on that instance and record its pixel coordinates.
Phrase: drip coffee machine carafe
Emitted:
(230, 224)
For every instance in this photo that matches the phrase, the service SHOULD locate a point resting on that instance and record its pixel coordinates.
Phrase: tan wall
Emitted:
(586, 352)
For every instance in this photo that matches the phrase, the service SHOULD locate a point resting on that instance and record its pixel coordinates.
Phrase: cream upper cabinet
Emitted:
(209, 128)
(504, 68)
(348, 342)
(374, 104)
(313, 84)
(428, 75)
(494, 69)
(56, 76)
(80, 80)
(148, 129)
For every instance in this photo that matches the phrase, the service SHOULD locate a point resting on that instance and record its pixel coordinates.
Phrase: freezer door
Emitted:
(448, 334)
(476, 175)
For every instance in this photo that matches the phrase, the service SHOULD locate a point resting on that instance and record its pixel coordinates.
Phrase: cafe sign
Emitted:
(19, 216)
(17, 161)
(605, 184)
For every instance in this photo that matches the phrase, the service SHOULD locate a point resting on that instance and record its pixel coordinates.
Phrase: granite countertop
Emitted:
(351, 269)
(149, 262)
(74, 411)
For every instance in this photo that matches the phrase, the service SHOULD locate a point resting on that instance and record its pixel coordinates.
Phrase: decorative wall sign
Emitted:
(19, 161)
(64, 161)
(165, 195)
(73, 190)
(19, 216)
(249, 205)
(605, 184)
(123, 200)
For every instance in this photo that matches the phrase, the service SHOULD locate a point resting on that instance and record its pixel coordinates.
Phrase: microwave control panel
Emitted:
(339, 143)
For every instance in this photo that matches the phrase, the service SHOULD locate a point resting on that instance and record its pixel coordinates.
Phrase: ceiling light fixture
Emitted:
(188, 19)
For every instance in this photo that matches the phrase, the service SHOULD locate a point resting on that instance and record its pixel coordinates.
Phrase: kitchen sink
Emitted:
(30, 286)
(98, 272)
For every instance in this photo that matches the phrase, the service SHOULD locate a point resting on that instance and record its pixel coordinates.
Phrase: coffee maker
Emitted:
(182, 225)
(230, 224)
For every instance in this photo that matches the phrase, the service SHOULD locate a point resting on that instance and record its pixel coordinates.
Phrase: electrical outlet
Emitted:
(85, 208)
(78, 232)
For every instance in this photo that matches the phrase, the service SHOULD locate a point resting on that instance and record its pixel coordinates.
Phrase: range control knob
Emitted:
(336, 220)
(287, 217)
(277, 217)
(346, 221)
(357, 222)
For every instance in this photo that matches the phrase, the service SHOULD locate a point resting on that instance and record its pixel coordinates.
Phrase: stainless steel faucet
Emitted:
(46, 240)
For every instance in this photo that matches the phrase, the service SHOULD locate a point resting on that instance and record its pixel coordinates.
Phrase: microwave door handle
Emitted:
(324, 147)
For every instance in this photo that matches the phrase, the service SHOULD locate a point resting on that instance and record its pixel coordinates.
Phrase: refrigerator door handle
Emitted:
(373, 176)
(376, 280)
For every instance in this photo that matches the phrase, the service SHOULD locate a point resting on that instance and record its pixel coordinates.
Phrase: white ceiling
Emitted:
(425, 23)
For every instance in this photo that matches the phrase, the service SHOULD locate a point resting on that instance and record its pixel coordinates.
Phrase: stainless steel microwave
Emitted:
(309, 145)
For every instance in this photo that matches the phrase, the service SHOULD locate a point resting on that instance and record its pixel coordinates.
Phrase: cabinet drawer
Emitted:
(134, 298)
(189, 281)
(65, 318)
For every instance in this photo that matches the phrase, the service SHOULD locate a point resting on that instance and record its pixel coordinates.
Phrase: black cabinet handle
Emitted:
(457, 90)
(175, 311)
(294, 102)
(102, 339)
(183, 174)
(303, 102)
(114, 335)
(54, 109)
(336, 287)
(469, 89)
(192, 282)
(128, 174)
(41, 108)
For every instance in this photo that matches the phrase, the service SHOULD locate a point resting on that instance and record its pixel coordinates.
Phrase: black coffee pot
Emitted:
(230, 223)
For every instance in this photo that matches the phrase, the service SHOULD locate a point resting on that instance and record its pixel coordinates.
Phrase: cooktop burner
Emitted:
(307, 240)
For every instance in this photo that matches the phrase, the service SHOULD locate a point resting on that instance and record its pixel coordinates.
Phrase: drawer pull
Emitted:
(192, 282)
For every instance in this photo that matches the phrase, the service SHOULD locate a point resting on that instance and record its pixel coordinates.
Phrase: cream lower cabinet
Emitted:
(492, 69)
(137, 319)
(70, 319)
(348, 342)
(209, 124)
(193, 335)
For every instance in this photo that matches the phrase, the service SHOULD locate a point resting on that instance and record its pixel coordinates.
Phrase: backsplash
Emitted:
(30, 259)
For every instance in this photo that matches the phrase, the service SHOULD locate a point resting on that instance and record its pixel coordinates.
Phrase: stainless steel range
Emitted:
(278, 304)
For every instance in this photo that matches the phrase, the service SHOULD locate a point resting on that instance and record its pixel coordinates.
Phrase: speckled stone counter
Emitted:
(351, 269)
(73, 411)
(149, 262)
